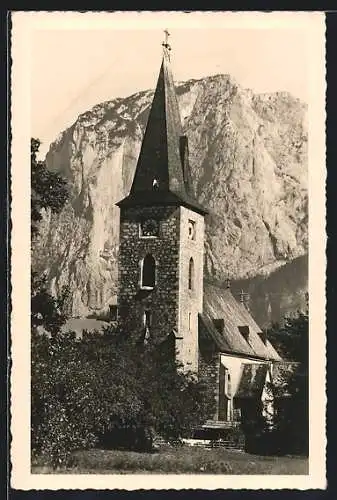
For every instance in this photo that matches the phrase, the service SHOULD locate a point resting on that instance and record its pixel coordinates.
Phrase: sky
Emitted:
(75, 66)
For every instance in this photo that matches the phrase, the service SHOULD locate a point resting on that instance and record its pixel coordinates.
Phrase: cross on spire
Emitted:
(165, 44)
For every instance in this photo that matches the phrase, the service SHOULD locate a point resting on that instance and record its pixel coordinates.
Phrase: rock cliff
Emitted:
(248, 157)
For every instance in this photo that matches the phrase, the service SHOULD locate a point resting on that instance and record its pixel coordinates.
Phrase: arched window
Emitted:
(191, 274)
(148, 272)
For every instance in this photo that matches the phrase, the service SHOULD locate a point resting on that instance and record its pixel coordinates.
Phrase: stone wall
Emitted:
(172, 304)
(209, 364)
(162, 301)
(190, 301)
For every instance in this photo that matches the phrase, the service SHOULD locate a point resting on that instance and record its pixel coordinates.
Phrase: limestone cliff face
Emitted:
(248, 156)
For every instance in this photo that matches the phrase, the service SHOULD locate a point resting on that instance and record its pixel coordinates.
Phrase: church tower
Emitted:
(161, 251)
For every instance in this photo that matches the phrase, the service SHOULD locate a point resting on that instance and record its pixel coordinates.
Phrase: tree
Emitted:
(291, 425)
(285, 429)
(48, 189)
(46, 310)
(89, 389)
(292, 339)
(291, 392)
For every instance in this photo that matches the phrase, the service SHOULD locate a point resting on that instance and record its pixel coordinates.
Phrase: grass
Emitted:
(184, 460)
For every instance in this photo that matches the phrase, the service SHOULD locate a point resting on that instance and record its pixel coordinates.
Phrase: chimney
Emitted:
(219, 324)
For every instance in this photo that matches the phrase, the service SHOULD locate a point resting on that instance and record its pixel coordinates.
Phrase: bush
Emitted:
(57, 427)
(46, 310)
(100, 387)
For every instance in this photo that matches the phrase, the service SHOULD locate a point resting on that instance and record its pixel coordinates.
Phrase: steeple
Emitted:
(162, 173)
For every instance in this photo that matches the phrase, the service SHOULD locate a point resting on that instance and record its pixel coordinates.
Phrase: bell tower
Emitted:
(161, 251)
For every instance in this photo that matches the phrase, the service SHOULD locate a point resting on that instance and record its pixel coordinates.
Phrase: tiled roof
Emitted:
(220, 303)
(252, 381)
(163, 155)
(150, 198)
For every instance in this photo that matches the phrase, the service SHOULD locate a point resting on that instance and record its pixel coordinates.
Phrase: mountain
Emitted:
(248, 158)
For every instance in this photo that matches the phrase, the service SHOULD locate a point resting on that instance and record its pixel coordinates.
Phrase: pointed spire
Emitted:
(162, 172)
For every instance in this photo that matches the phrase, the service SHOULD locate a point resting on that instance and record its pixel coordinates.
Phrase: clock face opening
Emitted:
(191, 230)
(149, 228)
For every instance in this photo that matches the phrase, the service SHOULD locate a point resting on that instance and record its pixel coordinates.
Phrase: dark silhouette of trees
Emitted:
(99, 389)
(46, 310)
(292, 419)
(291, 339)
(291, 390)
(49, 190)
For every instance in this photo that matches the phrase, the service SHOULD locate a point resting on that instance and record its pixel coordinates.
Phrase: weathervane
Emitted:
(165, 44)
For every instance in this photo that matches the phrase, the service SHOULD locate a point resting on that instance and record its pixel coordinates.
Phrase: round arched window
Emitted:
(148, 272)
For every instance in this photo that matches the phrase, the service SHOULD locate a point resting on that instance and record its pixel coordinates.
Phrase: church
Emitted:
(162, 291)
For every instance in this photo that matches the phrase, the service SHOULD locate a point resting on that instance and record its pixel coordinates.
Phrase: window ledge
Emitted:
(147, 287)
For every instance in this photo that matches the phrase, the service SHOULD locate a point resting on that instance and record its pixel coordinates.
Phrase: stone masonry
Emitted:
(190, 301)
(162, 301)
(173, 306)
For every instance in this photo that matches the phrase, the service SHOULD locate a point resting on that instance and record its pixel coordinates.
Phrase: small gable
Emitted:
(209, 335)
(244, 330)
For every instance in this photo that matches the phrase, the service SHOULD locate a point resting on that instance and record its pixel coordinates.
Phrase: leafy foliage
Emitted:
(287, 429)
(291, 424)
(82, 390)
(46, 310)
(292, 419)
(291, 339)
(291, 392)
(48, 189)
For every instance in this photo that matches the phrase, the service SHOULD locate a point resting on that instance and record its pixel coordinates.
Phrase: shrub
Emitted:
(99, 387)
(46, 310)
(57, 427)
